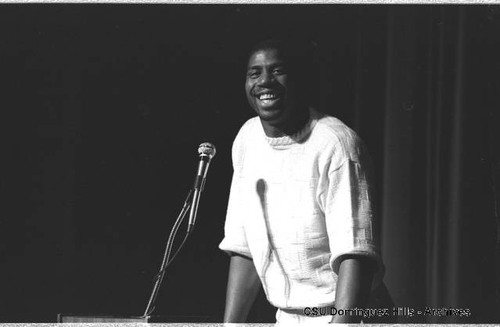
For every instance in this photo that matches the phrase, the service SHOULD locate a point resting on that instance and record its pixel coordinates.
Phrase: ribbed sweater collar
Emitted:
(284, 142)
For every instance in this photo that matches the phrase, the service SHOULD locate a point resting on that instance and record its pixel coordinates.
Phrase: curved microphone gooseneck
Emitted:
(206, 152)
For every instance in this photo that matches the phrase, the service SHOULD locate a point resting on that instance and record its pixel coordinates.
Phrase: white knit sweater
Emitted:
(297, 204)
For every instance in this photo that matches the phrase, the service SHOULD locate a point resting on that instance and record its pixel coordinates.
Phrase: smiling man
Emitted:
(271, 93)
(299, 219)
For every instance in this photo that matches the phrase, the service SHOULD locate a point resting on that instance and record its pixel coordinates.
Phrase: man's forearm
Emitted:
(353, 287)
(242, 288)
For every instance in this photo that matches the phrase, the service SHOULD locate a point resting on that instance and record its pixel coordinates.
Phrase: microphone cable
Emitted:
(158, 279)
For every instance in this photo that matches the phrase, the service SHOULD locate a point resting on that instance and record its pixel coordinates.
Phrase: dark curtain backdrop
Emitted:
(103, 107)
(439, 228)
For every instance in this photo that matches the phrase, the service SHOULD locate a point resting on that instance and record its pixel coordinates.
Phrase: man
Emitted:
(299, 218)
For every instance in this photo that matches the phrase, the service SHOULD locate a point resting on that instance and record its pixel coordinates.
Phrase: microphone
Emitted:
(207, 152)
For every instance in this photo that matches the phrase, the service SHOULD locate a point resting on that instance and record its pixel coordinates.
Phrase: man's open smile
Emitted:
(268, 98)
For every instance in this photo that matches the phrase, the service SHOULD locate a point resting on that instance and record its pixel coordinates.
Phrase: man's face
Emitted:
(268, 86)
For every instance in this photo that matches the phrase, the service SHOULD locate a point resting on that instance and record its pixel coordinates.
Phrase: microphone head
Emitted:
(206, 149)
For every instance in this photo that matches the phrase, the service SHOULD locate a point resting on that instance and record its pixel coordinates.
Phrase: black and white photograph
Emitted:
(250, 163)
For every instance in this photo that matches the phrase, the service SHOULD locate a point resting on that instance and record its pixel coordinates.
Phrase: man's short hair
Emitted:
(298, 53)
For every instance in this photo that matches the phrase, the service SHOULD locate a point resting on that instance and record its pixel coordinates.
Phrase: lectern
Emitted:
(80, 318)
(70, 318)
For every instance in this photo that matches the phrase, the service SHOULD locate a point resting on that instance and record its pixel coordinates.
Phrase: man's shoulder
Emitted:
(248, 129)
(332, 129)
(337, 140)
(249, 125)
(246, 135)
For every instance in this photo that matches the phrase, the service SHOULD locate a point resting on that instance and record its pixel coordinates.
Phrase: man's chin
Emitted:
(270, 117)
(270, 113)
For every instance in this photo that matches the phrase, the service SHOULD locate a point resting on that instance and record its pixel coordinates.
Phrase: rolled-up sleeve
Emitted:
(349, 214)
(235, 240)
(234, 231)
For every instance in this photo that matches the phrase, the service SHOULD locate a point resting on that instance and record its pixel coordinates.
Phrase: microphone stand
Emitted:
(166, 257)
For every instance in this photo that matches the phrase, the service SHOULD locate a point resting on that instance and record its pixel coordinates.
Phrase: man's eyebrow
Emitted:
(274, 64)
(254, 67)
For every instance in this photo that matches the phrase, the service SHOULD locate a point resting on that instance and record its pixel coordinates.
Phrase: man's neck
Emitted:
(293, 124)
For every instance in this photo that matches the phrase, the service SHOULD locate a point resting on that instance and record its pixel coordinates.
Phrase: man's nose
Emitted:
(266, 78)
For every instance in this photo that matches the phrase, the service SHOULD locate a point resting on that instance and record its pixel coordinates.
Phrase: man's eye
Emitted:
(279, 71)
(253, 74)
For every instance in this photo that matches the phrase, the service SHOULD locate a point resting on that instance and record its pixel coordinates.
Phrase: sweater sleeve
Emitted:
(235, 240)
(234, 232)
(349, 212)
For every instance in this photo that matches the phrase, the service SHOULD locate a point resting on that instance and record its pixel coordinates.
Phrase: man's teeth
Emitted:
(267, 96)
